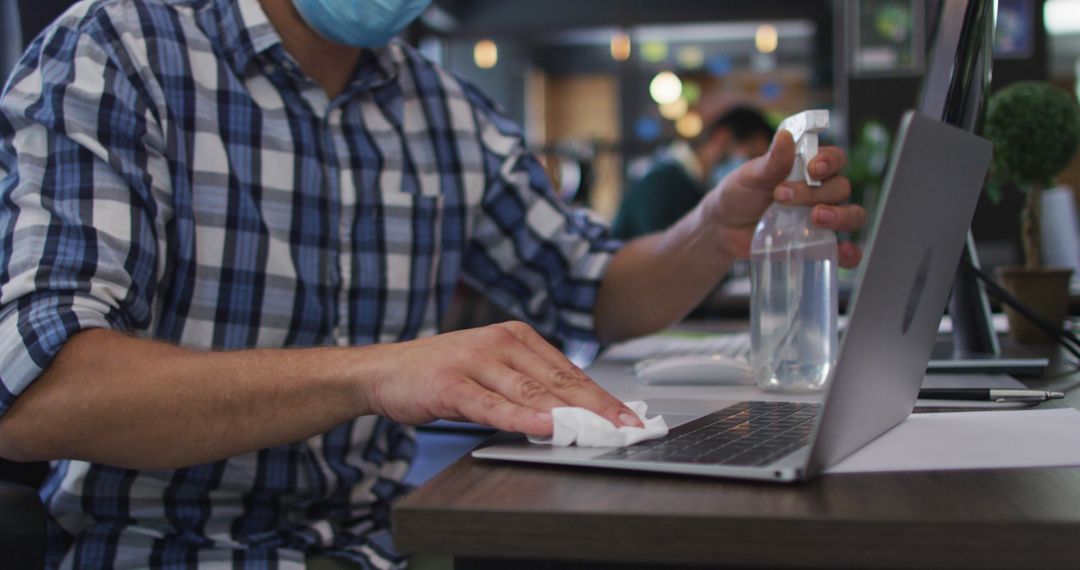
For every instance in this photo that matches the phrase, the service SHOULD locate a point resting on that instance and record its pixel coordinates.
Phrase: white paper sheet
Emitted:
(973, 440)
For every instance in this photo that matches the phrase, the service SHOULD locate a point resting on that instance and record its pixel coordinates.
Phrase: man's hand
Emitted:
(183, 407)
(735, 206)
(505, 376)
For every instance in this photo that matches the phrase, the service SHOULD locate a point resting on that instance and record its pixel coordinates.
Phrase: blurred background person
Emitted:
(675, 183)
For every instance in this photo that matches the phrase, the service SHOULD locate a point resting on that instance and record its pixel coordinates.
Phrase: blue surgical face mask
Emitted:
(720, 171)
(359, 23)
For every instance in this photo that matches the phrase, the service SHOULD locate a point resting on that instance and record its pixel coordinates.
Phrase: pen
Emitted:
(989, 394)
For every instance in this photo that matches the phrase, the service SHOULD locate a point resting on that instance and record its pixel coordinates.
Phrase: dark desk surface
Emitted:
(975, 519)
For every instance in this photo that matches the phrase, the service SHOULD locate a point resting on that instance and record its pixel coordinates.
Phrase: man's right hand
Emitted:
(141, 404)
(505, 376)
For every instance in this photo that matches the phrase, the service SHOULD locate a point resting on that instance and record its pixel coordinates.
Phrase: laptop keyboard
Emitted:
(745, 434)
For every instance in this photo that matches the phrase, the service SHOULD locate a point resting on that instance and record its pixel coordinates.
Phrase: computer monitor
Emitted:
(954, 89)
(958, 76)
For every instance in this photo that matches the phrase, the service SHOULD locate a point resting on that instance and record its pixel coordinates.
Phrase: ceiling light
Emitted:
(666, 87)
(620, 46)
(485, 54)
(765, 39)
(1062, 17)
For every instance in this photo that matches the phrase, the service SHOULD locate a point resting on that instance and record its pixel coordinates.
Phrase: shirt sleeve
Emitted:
(529, 252)
(78, 172)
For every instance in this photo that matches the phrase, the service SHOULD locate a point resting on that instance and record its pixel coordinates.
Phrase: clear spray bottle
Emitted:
(793, 308)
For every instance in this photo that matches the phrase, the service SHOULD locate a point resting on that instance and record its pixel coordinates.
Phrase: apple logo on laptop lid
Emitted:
(917, 289)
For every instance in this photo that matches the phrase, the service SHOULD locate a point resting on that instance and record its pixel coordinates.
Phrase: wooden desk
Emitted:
(499, 515)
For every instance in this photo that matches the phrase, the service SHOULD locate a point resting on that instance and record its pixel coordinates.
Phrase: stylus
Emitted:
(989, 394)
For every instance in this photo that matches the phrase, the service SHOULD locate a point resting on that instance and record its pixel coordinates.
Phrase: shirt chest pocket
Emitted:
(410, 228)
(401, 211)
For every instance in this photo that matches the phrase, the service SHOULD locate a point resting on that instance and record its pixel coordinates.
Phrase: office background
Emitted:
(577, 74)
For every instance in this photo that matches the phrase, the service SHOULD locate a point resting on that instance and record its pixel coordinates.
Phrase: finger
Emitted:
(564, 379)
(829, 162)
(482, 406)
(518, 387)
(842, 218)
(832, 191)
(532, 339)
(574, 387)
(850, 255)
(773, 167)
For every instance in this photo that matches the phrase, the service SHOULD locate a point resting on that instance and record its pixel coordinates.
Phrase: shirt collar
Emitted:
(378, 66)
(247, 35)
(245, 31)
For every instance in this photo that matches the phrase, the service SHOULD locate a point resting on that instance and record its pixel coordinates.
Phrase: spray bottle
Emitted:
(793, 308)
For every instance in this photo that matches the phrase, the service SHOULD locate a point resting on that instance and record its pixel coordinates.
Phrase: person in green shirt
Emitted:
(677, 182)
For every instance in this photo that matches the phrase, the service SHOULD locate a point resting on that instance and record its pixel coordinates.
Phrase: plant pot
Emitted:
(1045, 291)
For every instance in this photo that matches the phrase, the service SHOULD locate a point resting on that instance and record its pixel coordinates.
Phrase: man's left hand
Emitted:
(736, 205)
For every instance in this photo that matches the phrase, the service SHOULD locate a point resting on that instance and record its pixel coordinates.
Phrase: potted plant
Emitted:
(1035, 129)
(867, 160)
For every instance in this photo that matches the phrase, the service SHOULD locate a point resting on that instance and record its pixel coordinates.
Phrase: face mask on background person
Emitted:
(729, 165)
(359, 23)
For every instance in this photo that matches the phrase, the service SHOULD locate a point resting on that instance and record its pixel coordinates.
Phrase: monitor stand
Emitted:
(974, 345)
(1013, 360)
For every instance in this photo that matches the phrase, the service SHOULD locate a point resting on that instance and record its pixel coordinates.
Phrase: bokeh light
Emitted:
(620, 46)
(485, 54)
(690, 125)
(665, 87)
(654, 51)
(691, 91)
(675, 110)
(766, 38)
(690, 57)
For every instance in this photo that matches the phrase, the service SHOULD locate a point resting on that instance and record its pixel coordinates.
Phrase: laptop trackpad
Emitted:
(678, 411)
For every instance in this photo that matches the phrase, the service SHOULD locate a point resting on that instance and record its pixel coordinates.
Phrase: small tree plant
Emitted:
(1035, 129)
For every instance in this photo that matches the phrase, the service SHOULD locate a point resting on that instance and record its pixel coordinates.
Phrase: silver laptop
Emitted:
(931, 188)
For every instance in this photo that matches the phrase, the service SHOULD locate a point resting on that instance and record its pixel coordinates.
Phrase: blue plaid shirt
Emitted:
(167, 170)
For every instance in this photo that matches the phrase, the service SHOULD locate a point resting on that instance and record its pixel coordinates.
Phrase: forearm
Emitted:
(656, 280)
(140, 404)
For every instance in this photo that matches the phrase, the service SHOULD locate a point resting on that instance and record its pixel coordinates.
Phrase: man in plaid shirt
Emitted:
(188, 187)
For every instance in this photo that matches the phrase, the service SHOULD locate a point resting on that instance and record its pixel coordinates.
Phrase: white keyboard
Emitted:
(736, 346)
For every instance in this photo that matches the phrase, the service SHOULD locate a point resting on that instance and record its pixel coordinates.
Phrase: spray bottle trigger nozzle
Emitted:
(804, 128)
